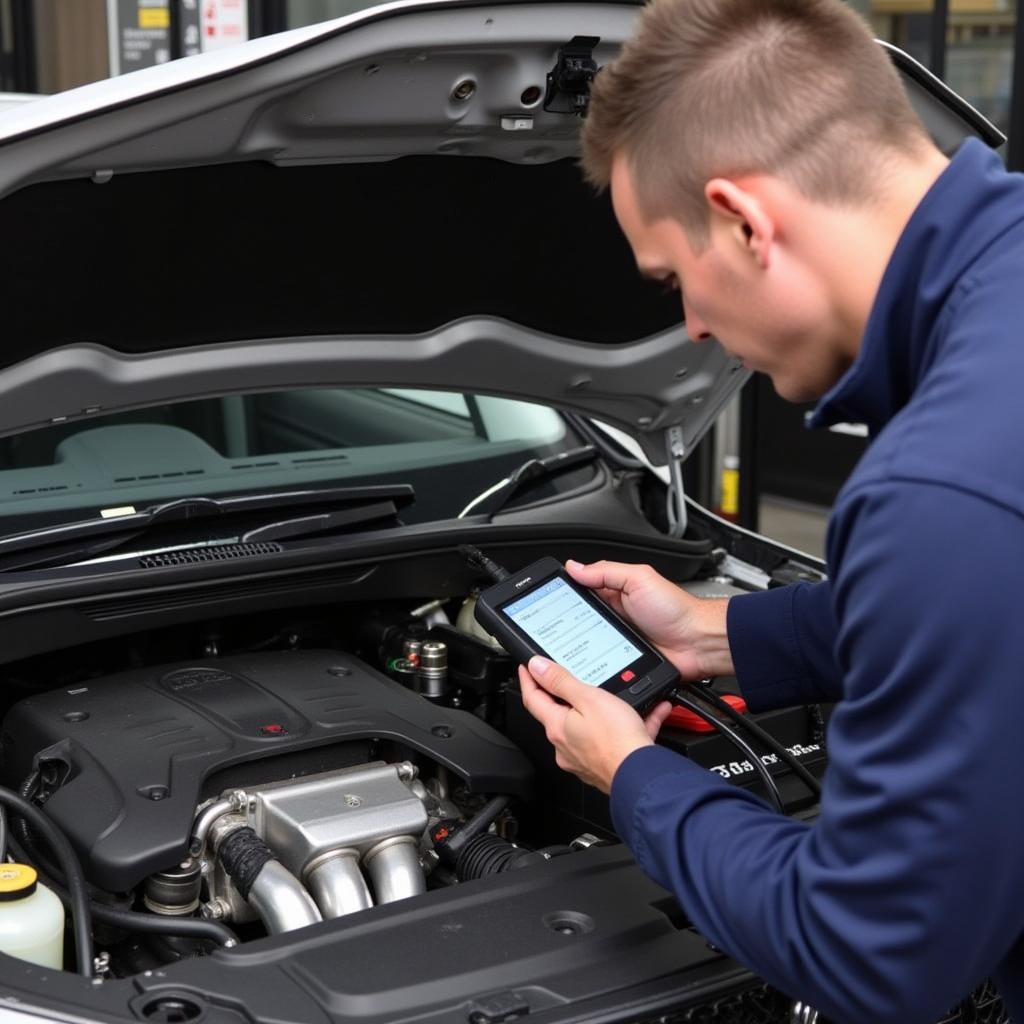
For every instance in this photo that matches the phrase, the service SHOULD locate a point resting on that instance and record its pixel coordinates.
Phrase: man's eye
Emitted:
(669, 284)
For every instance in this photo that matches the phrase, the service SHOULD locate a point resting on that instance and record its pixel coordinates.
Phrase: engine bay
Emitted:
(134, 756)
(276, 781)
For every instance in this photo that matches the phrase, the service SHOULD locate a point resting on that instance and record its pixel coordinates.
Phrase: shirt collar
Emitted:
(954, 221)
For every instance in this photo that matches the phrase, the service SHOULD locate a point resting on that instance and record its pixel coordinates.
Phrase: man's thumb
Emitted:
(552, 677)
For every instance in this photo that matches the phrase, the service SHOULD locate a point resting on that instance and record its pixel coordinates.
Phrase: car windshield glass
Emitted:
(449, 446)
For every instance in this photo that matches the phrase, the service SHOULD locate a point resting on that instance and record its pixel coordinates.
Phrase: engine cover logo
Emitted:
(192, 678)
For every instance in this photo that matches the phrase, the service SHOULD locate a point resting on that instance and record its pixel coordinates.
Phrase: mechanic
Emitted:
(763, 157)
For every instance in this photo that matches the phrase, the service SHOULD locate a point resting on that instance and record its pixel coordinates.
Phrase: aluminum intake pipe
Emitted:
(337, 884)
(394, 868)
(265, 883)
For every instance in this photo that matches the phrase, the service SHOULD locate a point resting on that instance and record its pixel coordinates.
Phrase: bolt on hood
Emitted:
(376, 200)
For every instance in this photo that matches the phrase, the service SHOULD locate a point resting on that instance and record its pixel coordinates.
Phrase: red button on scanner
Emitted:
(627, 676)
(681, 718)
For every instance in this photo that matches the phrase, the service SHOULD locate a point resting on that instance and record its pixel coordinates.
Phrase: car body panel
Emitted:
(377, 86)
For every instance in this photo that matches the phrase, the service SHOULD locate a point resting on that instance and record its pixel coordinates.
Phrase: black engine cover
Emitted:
(139, 745)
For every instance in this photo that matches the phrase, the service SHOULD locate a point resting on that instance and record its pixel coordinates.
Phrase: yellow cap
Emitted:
(17, 881)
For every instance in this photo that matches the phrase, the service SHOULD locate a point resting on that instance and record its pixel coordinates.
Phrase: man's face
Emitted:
(765, 307)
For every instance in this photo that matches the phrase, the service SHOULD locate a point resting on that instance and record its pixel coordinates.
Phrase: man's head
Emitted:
(757, 153)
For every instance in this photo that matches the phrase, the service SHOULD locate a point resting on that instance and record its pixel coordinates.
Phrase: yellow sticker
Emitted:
(154, 17)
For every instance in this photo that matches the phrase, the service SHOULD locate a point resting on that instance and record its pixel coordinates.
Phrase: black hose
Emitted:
(31, 854)
(78, 894)
(486, 855)
(680, 698)
(478, 824)
(706, 693)
(244, 855)
(165, 924)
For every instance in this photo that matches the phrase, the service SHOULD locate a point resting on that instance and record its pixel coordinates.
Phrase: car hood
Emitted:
(376, 200)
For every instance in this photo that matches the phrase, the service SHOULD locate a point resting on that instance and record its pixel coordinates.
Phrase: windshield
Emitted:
(449, 446)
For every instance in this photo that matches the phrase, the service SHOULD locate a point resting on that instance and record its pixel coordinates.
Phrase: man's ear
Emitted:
(753, 227)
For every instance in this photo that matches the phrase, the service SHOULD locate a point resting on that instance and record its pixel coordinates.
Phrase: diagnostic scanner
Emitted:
(542, 610)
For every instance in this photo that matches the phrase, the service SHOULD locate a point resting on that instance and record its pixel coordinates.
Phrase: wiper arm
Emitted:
(495, 498)
(90, 537)
(310, 526)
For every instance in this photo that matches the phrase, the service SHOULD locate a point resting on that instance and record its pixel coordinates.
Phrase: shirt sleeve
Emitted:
(909, 887)
(782, 643)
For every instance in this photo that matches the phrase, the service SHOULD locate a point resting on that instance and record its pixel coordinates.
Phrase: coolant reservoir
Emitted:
(466, 623)
(31, 918)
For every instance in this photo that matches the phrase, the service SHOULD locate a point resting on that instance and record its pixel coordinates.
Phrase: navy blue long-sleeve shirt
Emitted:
(909, 888)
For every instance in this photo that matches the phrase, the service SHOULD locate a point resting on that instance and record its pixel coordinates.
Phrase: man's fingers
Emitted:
(619, 576)
(558, 682)
(534, 696)
(612, 598)
(655, 718)
(538, 702)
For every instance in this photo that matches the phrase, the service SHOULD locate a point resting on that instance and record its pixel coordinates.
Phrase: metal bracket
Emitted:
(675, 451)
(568, 85)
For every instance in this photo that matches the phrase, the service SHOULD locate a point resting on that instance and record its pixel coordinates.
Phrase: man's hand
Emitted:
(592, 731)
(689, 631)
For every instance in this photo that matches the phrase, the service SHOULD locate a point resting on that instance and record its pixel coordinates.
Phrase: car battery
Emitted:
(572, 807)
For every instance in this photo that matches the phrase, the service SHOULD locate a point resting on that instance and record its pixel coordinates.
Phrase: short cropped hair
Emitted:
(708, 88)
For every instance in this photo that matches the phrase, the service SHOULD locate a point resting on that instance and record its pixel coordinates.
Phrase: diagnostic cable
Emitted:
(679, 697)
(704, 690)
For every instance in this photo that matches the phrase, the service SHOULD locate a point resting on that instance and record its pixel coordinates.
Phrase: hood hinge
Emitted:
(568, 85)
(675, 452)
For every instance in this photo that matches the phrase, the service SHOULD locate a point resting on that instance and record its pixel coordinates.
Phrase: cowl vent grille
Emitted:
(220, 553)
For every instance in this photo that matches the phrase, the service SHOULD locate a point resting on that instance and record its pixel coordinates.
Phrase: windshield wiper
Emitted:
(336, 508)
(495, 498)
(310, 526)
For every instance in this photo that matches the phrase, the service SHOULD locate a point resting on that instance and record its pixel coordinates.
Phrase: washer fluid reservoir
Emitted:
(31, 918)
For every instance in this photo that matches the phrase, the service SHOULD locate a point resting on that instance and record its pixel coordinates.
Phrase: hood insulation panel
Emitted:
(179, 258)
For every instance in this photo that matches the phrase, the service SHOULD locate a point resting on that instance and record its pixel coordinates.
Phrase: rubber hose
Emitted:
(29, 853)
(159, 924)
(477, 825)
(486, 855)
(244, 856)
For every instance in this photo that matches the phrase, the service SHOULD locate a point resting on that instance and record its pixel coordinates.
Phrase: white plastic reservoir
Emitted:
(31, 918)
